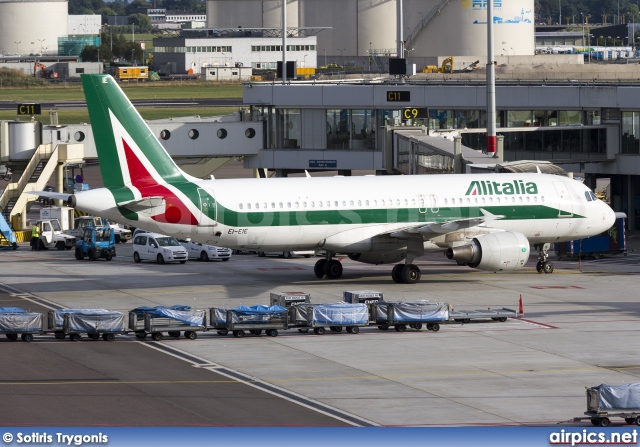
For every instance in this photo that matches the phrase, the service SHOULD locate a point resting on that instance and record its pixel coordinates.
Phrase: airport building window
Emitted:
(630, 143)
(287, 130)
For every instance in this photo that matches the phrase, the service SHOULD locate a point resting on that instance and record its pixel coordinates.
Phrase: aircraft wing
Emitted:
(431, 230)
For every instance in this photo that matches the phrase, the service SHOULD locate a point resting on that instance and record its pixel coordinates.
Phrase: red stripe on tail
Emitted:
(176, 211)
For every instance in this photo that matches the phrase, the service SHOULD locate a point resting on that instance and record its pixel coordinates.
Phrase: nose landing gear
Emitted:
(543, 265)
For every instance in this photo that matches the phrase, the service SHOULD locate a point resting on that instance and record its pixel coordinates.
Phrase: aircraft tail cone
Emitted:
(521, 309)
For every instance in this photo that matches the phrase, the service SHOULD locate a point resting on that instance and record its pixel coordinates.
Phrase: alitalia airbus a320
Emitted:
(485, 221)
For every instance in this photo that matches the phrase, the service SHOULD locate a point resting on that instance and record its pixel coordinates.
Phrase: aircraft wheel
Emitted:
(410, 274)
(547, 267)
(333, 269)
(396, 273)
(287, 254)
(539, 266)
(318, 269)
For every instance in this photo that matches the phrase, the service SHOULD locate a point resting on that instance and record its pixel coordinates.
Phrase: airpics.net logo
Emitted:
(54, 439)
(586, 437)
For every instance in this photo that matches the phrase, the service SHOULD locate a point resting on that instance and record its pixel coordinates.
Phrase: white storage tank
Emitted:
(358, 25)
(460, 28)
(250, 13)
(24, 138)
(28, 27)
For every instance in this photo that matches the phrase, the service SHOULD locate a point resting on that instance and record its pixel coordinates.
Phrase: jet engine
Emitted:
(379, 257)
(495, 251)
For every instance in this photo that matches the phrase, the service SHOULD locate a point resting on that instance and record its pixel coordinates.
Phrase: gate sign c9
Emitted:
(410, 113)
(29, 109)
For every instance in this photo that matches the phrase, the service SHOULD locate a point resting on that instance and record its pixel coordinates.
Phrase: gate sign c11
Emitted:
(29, 109)
(398, 96)
(410, 113)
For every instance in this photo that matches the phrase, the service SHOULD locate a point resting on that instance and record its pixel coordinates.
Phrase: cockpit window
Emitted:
(588, 196)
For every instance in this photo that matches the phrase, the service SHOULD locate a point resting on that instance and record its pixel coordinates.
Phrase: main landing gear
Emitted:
(329, 268)
(543, 265)
(406, 274)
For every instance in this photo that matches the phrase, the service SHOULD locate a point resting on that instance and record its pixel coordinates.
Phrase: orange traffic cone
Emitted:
(521, 309)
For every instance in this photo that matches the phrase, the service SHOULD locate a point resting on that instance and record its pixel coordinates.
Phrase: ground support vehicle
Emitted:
(96, 242)
(205, 252)
(290, 301)
(255, 319)
(336, 316)
(16, 321)
(55, 320)
(465, 316)
(218, 320)
(413, 314)
(93, 322)
(172, 320)
(612, 401)
(51, 236)
(367, 297)
(82, 222)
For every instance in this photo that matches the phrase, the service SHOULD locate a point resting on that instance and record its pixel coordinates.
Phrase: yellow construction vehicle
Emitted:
(446, 67)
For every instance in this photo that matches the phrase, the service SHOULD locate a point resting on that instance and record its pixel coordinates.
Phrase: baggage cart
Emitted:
(255, 319)
(55, 320)
(363, 297)
(218, 320)
(291, 301)
(337, 316)
(172, 320)
(465, 316)
(16, 321)
(94, 323)
(414, 314)
(612, 401)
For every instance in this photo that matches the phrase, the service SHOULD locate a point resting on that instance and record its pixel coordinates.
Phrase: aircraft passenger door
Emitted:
(565, 205)
(435, 207)
(208, 208)
(422, 204)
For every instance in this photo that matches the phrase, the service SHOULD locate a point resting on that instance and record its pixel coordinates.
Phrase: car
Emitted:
(288, 254)
(157, 247)
(205, 252)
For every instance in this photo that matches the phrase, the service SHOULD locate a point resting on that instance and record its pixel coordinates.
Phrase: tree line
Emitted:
(577, 12)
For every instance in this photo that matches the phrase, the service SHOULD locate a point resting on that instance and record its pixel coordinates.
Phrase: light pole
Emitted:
(341, 59)
(304, 60)
(370, 56)
(560, 12)
(41, 40)
(325, 57)
(17, 43)
(582, 17)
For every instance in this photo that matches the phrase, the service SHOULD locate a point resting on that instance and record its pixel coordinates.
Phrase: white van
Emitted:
(158, 247)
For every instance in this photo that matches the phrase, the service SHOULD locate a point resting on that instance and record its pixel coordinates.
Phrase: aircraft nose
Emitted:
(608, 217)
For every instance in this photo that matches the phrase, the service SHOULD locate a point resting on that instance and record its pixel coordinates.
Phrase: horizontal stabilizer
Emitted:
(52, 195)
(143, 204)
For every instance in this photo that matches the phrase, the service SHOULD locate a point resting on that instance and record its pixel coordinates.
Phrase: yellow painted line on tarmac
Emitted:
(315, 379)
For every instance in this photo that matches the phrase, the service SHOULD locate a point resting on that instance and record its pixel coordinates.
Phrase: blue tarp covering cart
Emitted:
(607, 401)
(93, 322)
(414, 314)
(337, 316)
(16, 321)
(255, 319)
(156, 320)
